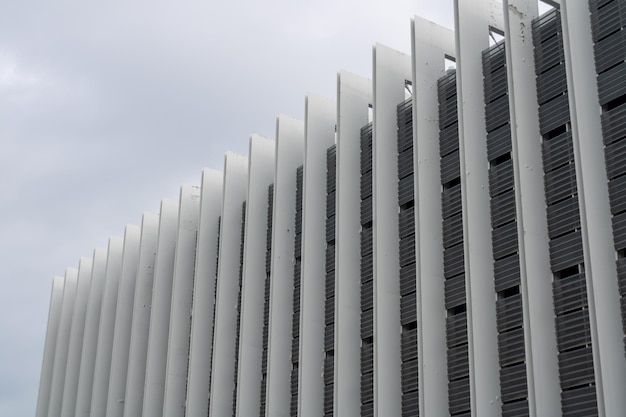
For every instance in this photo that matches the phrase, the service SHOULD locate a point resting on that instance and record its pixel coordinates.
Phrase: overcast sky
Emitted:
(108, 107)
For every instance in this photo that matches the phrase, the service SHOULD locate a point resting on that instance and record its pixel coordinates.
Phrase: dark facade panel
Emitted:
(551, 84)
(610, 51)
(615, 155)
(572, 330)
(607, 19)
(560, 183)
(613, 125)
(455, 291)
(507, 272)
(497, 113)
(408, 279)
(503, 208)
(566, 251)
(408, 309)
(408, 375)
(576, 367)
(498, 142)
(553, 114)
(504, 240)
(612, 84)
(580, 402)
(452, 230)
(456, 329)
(458, 363)
(405, 163)
(509, 313)
(450, 167)
(619, 231)
(405, 190)
(617, 194)
(451, 201)
(513, 382)
(459, 397)
(453, 261)
(511, 347)
(449, 139)
(563, 217)
(557, 151)
(409, 344)
(501, 178)
(570, 293)
(406, 222)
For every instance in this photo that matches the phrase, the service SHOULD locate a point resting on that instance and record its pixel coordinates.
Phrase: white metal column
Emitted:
(262, 152)
(182, 294)
(102, 369)
(52, 332)
(132, 399)
(223, 372)
(472, 37)
(600, 272)
(289, 154)
(391, 71)
(160, 312)
(201, 346)
(532, 229)
(57, 382)
(431, 44)
(123, 320)
(354, 95)
(102, 260)
(319, 135)
(70, 387)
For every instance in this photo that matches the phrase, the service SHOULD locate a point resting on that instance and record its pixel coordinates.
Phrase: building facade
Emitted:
(436, 241)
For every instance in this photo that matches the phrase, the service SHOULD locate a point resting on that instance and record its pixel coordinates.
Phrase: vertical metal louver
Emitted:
(297, 273)
(454, 267)
(575, 361)
(406, 226)
(266, 301)
(608, 20)
(367, 276)
(238, 325)
(329, 310)
(509, 313)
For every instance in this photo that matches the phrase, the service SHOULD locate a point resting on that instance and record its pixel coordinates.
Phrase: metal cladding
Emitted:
(436, 242)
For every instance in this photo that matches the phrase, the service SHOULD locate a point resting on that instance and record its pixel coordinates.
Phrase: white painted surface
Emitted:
(223, 373)
(201, 346)
(76, 338)
(354, 95)
(391, 71)
(532, 230)
(472, 37)
(319, 135)
(289, 156)
(182, 288)
(102, 259)
(132, 401)
(597, 232)
(160, 315)
(57, 383)
(123, 320)
(260, 175)
(102, 370)
(52, 332)
(431, 44)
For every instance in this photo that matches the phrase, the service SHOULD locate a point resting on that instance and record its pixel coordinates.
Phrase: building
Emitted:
(434, 242)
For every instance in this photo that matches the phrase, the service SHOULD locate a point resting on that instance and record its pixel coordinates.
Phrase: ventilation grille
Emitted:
(565, 241)
(453, 263)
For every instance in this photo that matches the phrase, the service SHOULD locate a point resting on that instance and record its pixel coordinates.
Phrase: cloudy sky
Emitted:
(107, 107)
